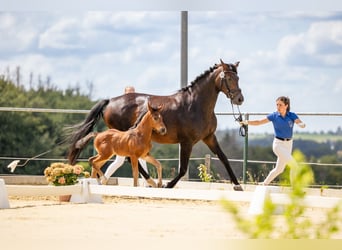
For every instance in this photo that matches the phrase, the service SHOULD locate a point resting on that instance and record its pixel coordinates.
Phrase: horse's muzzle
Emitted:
(238, 99)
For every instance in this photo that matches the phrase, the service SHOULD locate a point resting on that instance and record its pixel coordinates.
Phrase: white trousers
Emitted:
(118, 162)
(283, 150)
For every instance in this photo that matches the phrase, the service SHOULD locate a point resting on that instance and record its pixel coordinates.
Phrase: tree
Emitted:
(29, 134)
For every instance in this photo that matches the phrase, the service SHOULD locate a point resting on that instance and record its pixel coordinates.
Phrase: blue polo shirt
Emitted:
(283, 126)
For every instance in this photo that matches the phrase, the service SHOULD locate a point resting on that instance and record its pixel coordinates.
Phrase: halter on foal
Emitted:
(134, 143)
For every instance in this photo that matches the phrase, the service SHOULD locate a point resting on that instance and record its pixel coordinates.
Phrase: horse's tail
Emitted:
(84, 141)
(82, 129)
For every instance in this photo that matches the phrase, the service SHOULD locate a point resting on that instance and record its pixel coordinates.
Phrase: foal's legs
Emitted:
(93, 169)
(158, 166)
(118, 162)
(135, 171)
(144, 171)
(97, 162)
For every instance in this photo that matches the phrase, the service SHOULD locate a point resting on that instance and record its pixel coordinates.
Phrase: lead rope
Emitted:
(12, 166)
(243, 128)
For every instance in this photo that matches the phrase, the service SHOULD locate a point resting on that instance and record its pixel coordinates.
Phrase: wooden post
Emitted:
(207, 162)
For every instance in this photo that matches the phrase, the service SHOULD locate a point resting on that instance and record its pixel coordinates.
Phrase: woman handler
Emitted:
(283, 122)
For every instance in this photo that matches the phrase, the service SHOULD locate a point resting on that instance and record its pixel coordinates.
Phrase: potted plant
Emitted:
(61, 174)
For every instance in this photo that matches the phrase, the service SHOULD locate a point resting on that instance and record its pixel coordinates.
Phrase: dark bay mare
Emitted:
(188, 115)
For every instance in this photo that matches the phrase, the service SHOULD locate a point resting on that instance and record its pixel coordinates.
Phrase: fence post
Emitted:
(245, 153)
(4, 203)
(207, 162)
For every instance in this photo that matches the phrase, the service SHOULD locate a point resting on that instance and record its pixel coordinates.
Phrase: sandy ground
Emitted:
(122, 219)
(126, 222)
(143, 223)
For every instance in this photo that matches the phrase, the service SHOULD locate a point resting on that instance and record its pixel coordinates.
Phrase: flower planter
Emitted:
(61, 174)
(65, 198)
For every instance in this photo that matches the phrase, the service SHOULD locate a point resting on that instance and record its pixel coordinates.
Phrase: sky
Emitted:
(296, 53)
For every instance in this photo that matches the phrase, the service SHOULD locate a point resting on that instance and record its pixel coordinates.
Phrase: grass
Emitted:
(318, 137)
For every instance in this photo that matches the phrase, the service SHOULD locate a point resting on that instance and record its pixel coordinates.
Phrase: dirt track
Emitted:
(119, 218)
(38, 222)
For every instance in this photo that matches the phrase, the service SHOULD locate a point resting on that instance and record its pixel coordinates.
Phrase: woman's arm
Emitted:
(255, 122)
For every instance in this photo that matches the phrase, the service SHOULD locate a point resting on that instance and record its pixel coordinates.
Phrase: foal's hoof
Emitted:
(103, 180)
(151, 182)
(238, 188)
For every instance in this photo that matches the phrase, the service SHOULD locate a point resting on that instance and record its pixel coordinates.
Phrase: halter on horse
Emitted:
(188, 115)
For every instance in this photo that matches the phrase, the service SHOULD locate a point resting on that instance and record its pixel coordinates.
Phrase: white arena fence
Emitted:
(89, 191)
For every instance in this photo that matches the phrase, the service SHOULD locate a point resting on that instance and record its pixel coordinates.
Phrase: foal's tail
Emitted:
(84, 141)
(82, 129)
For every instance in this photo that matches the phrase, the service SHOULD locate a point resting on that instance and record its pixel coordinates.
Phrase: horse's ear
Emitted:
(148, 104)
(222, 63)
(237, 64)
(160, 107)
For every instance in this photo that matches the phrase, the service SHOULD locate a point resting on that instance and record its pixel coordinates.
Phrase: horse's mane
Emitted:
(141, 115)
(205, 73)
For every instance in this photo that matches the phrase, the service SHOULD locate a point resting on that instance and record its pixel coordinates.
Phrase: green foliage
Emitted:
(203, 173)
(86, 165)
(260, 227)
(168, 156)
(296, 225)
(24, 134)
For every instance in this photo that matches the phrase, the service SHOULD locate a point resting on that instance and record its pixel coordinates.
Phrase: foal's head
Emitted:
(156, 118)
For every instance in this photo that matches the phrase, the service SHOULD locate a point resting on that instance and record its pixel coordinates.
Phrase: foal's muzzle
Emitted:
(162, 131)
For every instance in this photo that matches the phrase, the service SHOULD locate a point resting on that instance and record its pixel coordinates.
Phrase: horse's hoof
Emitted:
(238, 188)
(168, 185)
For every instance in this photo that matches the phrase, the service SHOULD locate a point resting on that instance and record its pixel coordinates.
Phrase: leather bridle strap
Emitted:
(224, 81)
(243, 128)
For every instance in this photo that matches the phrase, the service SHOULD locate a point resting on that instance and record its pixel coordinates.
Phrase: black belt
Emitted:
(283, 139)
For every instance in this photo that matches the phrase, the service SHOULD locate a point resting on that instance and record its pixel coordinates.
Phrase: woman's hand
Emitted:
(244, 123)
(301, 124)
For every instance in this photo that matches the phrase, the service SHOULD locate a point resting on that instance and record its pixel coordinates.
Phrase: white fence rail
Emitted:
(88, 191)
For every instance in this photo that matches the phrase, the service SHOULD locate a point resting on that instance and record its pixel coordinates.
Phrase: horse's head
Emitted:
(157, 119)
(227, 81)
